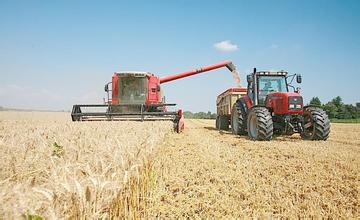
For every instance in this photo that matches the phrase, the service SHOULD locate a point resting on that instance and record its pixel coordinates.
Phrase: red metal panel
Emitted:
(248, 101)
(153, 84)
(279, 102)
(244, 90)
(195, 71)
(115, 89)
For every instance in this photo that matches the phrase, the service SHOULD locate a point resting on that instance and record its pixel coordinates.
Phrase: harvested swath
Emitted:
(209, 174)
(54, 168)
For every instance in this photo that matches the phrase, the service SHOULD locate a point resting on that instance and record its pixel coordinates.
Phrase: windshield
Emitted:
(268, 84)
(132, 89)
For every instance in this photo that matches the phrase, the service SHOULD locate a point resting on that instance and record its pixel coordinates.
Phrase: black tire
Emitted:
(260, 124)
(222, 122)
(238, 117)
(316, 124)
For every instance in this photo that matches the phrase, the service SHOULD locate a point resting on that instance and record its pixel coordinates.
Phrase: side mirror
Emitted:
(158, 88)
(106, 88)
(249, 78)
(298, 78)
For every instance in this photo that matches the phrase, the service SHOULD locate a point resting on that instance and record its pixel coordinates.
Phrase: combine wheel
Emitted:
(238, 123)
(222, 122)
(316, 124)
(260, 124)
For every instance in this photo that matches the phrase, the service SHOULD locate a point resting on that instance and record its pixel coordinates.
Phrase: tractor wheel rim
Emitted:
(253, 129)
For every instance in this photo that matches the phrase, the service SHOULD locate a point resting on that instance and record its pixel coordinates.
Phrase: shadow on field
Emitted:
(211, 128)
(222, 132)
(280, 138)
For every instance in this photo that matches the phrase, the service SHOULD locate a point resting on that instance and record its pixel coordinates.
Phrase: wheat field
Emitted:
(54, 168)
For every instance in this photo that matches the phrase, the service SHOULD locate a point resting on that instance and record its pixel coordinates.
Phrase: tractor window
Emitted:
(132, 89)
(268, 84)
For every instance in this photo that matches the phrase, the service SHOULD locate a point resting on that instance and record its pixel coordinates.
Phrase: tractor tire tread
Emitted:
(241, 119)
(321, 122)
(264, 125)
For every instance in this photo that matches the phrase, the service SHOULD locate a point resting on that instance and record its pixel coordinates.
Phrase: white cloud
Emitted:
(226, 46)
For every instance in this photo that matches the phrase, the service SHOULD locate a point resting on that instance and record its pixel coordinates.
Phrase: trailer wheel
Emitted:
(217, 122)
(222, 122)
(260, 124)
(238, 123)
(316, 124)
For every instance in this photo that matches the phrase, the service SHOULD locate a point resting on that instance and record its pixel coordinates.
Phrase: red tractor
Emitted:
(138, 96)
(270, 108)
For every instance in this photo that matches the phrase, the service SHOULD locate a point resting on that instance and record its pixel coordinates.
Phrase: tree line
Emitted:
(336, 109)
(200, 115)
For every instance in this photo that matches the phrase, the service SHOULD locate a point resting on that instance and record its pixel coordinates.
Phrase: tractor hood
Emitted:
(285, 102)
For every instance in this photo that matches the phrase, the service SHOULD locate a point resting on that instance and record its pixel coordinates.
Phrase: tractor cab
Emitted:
(267, 82)
(267, 86)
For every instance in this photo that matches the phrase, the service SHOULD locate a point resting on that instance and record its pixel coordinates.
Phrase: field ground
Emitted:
(207, 173)
(53, 167)
(201, 173)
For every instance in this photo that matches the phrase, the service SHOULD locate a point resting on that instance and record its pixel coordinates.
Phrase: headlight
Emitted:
(295, 102)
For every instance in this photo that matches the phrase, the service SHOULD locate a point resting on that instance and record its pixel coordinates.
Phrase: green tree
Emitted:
(337, 101)
(199, 115)
(330, 109)
(315, 101)
(348, 112)
(188, 114)
(213, 116)
(337, 109)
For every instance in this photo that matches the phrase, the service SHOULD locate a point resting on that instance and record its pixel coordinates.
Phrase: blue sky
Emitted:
(54, 54)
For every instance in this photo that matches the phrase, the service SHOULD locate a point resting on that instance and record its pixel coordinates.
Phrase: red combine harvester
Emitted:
(138, 96)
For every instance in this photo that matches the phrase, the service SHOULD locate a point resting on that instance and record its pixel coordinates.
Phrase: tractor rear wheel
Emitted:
(260, 124)
(238, 123)
(222, 122)
(316, 124)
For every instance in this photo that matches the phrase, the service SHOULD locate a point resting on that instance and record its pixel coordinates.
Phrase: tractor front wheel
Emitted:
(260, 124)
(316, 124)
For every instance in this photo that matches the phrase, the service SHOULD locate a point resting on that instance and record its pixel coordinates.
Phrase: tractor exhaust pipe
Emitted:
(255, 86)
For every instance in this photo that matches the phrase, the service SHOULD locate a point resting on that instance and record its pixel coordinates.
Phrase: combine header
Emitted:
(133, 95)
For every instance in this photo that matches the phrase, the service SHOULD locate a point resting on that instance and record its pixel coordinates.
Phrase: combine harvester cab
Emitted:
(138, 96)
